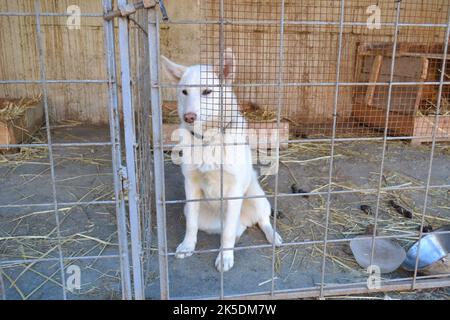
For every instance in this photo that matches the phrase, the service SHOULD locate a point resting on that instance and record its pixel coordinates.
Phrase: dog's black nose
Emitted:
(190, 117)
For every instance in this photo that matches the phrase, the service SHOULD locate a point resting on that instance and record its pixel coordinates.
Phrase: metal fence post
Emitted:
(332, 150)
(43, 76)
(433, 145)
(158, 151)
(130, 144)
(116, 152)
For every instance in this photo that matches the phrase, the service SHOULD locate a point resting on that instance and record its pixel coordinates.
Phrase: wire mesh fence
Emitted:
(342, 87)
(339, 105)
(63, 228)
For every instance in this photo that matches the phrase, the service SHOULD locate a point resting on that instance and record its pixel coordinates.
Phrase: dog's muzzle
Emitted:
(190, 117)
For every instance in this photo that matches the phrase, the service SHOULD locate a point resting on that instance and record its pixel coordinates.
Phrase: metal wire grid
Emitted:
(144, 159)
(223, 18)
(67, 256)
(309, 82)
(161, 225)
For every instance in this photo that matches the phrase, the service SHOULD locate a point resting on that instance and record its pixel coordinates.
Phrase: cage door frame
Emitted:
(158, 149)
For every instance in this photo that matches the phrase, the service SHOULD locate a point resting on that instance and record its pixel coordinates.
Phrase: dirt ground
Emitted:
(84, 174)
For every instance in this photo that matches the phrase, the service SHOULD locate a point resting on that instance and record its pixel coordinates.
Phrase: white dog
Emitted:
(199, 106)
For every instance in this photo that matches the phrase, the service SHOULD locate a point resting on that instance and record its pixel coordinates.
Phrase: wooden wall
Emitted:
(310, 51)
(70, 54)
(309, 56)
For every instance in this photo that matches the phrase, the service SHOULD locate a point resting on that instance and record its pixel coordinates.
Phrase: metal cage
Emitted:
(317, 62)
(267, 38)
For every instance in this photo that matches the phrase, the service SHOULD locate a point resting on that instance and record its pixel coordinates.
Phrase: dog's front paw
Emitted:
(227, 262)
(278, 240)
(184, 250)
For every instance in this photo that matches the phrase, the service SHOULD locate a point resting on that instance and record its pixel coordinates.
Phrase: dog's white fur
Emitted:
(202, 180)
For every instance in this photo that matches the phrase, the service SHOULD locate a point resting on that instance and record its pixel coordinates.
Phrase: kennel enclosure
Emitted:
(339, 94)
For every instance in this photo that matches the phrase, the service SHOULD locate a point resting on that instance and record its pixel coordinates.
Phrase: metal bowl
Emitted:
(433, 247)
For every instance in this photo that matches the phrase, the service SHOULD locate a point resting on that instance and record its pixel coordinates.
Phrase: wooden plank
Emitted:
(423, 127)
(374, 74)
(427, 55)
(431, 50)
(406, 100)
(403, 98)
(7, 136)
(21, 130)
(375, 117)
(423, 77)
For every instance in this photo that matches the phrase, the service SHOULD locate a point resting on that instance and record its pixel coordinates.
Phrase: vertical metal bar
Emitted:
(158, 152)
(333, 137)
(130, 145)
(2, 287)
(144, 163)
(222, 149)
(114, 126)
(277, 149)
(433, 146)
(43, 76)
(146, 182)
(386, 125)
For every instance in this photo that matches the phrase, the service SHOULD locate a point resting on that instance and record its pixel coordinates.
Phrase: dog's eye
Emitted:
(206, 92)
(185, 92)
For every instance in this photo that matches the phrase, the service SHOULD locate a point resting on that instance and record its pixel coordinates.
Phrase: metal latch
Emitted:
(131, 8)
(123, 174)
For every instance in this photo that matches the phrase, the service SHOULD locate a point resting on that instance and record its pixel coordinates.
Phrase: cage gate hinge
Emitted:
(123, 174)
(131, 8)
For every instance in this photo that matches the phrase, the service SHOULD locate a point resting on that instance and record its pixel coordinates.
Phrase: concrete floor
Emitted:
(85, 173)
(29, 232)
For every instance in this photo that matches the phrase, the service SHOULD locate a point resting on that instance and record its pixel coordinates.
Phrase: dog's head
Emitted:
(199, 92)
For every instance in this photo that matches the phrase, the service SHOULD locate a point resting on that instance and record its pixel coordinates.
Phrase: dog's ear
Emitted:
(173, 70)
(229, 66)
